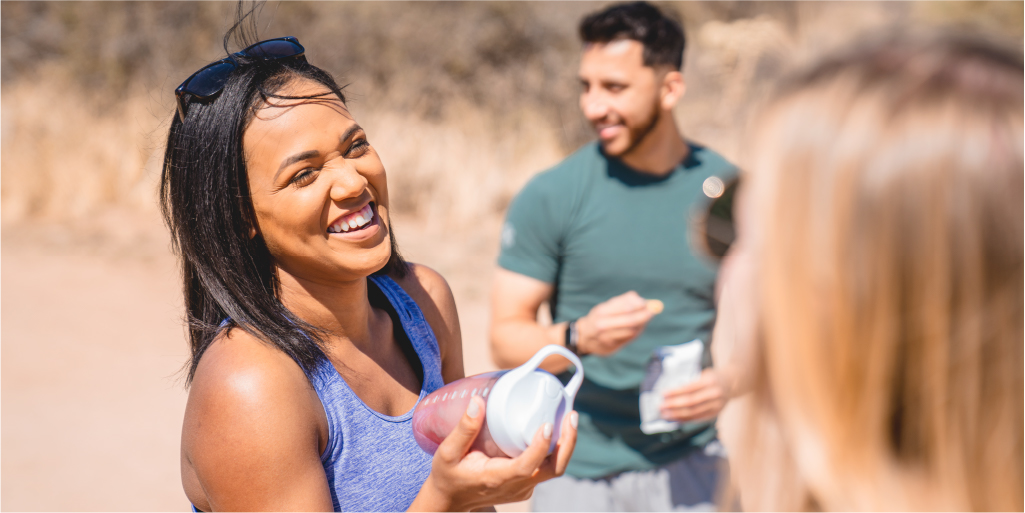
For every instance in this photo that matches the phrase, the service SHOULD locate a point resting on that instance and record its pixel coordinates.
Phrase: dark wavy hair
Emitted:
(662, 36)
(229, 278)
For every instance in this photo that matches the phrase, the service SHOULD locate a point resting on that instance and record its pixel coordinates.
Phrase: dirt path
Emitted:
(92, 345)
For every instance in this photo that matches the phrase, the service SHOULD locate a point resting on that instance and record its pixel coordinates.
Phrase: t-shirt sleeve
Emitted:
(532, 236)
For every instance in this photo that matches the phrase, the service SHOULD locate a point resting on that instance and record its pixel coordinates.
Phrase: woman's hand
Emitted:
(462, 480)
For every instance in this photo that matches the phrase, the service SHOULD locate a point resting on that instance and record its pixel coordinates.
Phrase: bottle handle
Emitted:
(573, 386)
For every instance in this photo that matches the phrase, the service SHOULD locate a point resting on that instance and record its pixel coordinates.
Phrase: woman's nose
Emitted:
(348, 183)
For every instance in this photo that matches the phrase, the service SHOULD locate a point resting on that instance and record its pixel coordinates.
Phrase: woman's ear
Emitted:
(252, 232)
(673, 87)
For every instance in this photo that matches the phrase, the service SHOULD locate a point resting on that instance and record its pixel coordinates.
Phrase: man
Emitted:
(595, 237)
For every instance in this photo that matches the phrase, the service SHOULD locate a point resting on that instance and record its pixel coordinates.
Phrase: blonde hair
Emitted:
(885, 199)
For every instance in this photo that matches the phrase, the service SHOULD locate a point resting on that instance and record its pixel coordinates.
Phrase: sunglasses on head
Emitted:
(712, 230)
(209, 81)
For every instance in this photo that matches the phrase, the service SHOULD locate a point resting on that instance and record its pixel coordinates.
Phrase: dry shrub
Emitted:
(464, 100)
(452, 173)
(62, 160)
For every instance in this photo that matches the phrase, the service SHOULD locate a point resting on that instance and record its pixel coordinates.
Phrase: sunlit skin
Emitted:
(310, 165)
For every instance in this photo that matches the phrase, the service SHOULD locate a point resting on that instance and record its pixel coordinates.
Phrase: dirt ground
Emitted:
(92, 344)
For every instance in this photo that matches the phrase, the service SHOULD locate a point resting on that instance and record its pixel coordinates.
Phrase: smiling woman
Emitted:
(312, 339)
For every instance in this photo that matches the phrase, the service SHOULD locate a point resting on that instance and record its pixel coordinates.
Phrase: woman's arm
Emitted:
(252, 433)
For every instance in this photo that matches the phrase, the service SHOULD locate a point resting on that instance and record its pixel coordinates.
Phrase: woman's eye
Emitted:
(303, 178)
(358, 148)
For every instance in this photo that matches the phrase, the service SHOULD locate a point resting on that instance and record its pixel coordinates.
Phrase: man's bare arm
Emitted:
(515, 333)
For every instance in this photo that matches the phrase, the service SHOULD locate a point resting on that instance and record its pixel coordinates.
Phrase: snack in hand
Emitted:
(655, 306)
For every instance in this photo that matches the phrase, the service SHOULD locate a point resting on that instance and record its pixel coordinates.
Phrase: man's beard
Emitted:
(638, 134)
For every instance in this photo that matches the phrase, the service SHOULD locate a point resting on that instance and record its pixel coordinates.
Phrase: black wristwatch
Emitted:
(572, 337)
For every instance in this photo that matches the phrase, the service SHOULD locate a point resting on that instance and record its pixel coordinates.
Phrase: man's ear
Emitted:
(673, 88)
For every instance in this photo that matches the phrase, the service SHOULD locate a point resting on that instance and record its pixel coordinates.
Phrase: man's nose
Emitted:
(593, 106)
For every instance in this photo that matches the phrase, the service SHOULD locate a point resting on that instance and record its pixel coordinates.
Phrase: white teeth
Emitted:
(364, 216)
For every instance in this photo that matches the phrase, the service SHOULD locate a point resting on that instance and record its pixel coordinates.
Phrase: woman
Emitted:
(312, 340)
(875, 291)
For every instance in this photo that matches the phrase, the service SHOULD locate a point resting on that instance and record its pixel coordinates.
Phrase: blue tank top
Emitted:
(372, 460)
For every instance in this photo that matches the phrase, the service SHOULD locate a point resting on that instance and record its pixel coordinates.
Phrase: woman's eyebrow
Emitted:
(298, 157)
(348, 133)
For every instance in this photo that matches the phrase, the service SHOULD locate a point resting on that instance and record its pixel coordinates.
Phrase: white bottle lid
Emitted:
(526, 398)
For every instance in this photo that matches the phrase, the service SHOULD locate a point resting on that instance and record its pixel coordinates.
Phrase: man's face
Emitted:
(620, 96)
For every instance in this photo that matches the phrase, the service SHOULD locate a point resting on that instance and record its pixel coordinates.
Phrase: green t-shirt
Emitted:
(594, 228)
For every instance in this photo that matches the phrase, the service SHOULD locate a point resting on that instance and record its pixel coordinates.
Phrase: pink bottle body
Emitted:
(439, 413)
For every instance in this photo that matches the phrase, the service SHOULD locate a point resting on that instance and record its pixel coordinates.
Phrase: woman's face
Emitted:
(318, 187)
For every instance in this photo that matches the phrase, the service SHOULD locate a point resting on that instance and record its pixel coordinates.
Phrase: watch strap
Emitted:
(572, 337)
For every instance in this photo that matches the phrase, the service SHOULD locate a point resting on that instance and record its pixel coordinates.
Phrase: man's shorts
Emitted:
(688, 484)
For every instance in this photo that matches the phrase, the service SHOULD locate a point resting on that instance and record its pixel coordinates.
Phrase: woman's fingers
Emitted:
(567, 442)
(457, 443)
(555, 465)
(532, 458)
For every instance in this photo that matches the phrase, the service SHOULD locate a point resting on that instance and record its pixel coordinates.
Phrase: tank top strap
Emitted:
(419, 331)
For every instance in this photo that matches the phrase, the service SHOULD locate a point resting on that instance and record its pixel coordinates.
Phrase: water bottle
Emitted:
(518, 402)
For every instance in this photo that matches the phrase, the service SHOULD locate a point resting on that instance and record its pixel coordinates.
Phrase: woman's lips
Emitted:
(354, 221)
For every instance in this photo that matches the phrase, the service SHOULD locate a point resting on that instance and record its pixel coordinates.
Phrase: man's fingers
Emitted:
(634, 319)
(611, 342)
(628, 302)
(707, 409)
(692, 415)
(458, 442)
(704, 382)
(692, 399)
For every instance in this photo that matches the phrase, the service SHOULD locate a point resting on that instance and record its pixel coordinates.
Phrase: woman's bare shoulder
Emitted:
(251, 428)
(243, 381)
(238, 362)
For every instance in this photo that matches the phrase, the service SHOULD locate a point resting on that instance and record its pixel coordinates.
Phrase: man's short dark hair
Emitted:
(661, 35)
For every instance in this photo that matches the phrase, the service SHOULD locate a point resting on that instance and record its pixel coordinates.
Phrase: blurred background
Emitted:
(464, 102)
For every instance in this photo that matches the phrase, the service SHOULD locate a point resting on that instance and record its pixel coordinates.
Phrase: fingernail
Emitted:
(547, 431)
(473, 409)
(573, 419)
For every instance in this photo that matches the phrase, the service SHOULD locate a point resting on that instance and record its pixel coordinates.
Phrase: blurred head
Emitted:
(630, 73)
(256, 184)
(882, 218)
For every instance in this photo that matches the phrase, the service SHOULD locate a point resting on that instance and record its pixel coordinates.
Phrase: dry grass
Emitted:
(464, 101)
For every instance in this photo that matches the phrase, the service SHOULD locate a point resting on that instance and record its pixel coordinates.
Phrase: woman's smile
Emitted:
(361, 224)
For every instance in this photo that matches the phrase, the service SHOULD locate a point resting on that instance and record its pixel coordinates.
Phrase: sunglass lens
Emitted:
(210, 80)
(274, 49)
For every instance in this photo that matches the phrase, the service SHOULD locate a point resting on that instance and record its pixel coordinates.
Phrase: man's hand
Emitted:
(702, 399)
(614, 323)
